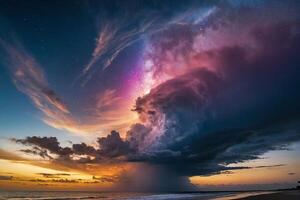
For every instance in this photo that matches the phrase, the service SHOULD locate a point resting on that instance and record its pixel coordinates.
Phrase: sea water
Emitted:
(62, 195)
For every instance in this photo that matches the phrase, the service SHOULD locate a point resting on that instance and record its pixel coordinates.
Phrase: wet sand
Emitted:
(283, 195)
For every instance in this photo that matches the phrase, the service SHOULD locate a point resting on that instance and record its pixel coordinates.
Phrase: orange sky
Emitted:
(25, 174)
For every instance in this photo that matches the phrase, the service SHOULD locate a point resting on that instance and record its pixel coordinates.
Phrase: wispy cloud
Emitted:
(29, 78)
(114, 36)
(6, 155)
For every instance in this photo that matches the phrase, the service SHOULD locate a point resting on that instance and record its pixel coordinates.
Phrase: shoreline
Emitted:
(217, 195)
(276, 195)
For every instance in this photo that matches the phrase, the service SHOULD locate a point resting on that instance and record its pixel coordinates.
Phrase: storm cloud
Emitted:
(250, 103)
(247, 98)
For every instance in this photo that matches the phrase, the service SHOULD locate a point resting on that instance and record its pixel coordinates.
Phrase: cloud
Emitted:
(248, 102)
(109, 179)
(49, 163)
(136, 135)
(55, 175)
(37, 151)
(5, 155)
(5, 178)
(83, 149)
(61, 180)
(66, 180)
(185, 46)
(30, 79)
(111, 146)
(128, 24)
(40, 144)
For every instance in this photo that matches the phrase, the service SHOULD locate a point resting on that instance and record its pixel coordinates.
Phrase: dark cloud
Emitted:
(37, 180)
(5, 178)
(40, 144)
(55, 175)
(49, 143)
(61, 180)
(66, 180)
(83, 149)
(136, 135)
(37, 151)
(113, 146)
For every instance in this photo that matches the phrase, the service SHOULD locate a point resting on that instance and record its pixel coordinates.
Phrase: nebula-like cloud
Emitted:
(249, 101)
(127, 24)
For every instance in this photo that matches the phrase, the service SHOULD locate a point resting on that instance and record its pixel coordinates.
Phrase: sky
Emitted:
(145, 95)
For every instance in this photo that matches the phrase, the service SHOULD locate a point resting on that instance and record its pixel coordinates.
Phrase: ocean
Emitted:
(38, 195)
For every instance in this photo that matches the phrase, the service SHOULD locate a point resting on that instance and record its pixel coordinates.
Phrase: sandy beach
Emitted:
(284, 195)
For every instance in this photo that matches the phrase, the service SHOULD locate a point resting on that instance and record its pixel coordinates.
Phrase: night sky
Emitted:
(149, 95)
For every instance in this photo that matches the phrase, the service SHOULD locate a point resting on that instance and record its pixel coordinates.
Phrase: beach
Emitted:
(282, 195)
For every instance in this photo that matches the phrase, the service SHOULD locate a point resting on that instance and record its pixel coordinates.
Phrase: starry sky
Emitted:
(145, 95)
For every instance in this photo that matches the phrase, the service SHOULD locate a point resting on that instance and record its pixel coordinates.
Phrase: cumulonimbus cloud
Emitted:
(235, 97)
(249, 102)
